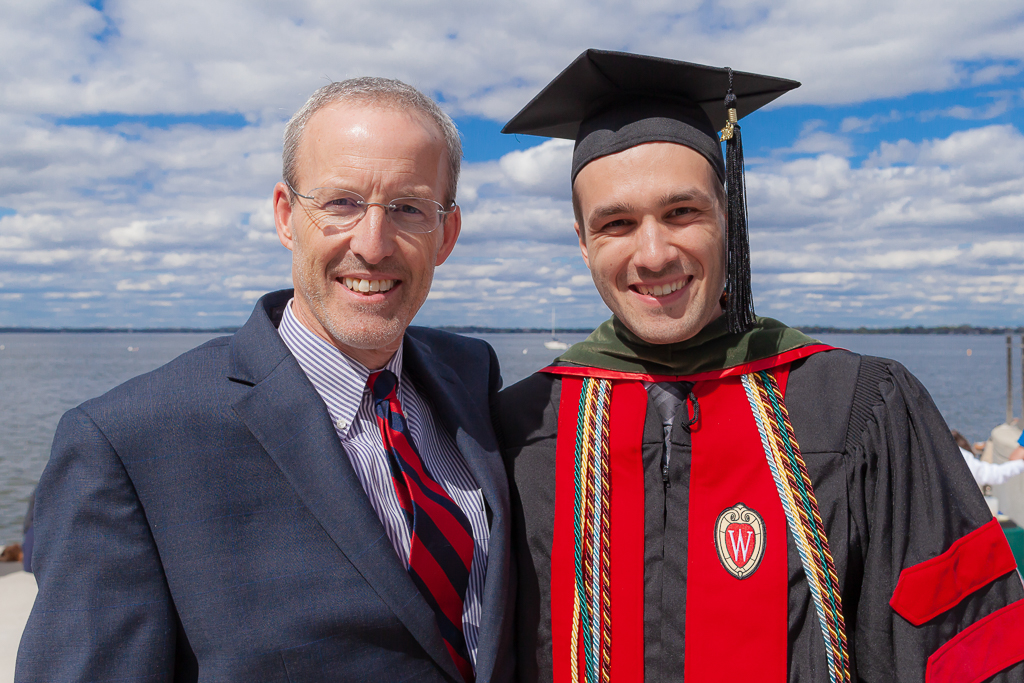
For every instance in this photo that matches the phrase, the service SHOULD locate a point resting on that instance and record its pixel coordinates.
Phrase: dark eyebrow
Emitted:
(667, 200)
(687, 196)
(611, 210)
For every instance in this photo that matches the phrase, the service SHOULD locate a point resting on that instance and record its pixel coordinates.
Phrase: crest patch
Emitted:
(739, 540)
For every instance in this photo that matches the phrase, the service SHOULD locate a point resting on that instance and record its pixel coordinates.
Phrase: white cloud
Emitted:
(969, 182)
(999, 249)
(72, 295)
(159, 282)
(262, 59)
(813, 140)
(819, 279)
(851, 238)
(544, 167)
(916, 236)
(248, 281)
(993, 73)
(1002, 102)
(142, 213)
(855, 124)
(131, 235)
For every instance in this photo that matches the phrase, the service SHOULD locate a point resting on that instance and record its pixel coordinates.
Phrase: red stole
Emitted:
(732, 621)
(629, 408)
(728, 619)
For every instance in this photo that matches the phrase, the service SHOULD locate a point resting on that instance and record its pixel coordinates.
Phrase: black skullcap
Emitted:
(610, 101)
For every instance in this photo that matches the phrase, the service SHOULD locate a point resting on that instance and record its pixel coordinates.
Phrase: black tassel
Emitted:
(739, 300)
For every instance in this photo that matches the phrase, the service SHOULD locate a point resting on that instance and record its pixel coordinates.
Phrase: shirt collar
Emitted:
(338, 379)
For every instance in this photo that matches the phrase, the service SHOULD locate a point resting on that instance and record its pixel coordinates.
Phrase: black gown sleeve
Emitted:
(917, 499)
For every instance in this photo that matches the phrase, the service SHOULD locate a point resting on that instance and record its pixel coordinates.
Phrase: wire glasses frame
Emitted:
(342, 209)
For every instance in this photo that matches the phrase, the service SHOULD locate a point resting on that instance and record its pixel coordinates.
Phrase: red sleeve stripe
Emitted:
(983, 649)
(928, 589)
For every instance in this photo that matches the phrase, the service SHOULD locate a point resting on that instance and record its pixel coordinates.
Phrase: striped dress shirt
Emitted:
(341, 383)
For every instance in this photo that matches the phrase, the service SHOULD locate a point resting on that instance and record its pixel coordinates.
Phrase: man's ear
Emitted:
(450, 229)
(583, 243)
(283, 215)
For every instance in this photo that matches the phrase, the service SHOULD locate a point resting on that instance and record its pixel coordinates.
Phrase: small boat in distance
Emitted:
(553, 343)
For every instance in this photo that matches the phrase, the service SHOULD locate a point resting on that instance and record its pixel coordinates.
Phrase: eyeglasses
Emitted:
(342, 209)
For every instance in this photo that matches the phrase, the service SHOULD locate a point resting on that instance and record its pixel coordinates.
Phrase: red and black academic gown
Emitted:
(924, 581)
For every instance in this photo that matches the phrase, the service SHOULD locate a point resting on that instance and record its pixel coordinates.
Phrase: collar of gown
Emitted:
(612, 346)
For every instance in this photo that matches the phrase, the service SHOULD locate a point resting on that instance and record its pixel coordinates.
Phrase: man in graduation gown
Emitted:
(708, 495)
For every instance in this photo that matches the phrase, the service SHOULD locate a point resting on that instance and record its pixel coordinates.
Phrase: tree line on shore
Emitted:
(475, 329)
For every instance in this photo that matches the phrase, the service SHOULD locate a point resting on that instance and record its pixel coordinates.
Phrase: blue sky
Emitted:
(139, 146)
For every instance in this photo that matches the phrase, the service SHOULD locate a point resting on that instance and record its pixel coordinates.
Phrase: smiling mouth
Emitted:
(361, 286)
(658, 290)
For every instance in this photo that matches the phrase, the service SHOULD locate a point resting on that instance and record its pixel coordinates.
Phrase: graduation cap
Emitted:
(611, 101)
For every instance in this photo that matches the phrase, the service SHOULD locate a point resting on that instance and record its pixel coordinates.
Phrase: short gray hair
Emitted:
(383, 92)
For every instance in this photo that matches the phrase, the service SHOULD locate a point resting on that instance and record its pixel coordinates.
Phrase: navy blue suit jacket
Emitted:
(202, 523)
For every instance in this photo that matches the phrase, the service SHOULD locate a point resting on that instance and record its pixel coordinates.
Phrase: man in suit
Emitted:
(318, 497)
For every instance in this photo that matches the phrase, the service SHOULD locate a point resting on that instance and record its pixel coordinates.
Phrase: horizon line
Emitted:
(480, 329)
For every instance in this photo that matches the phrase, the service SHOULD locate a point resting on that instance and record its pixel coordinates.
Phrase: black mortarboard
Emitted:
(610, 101)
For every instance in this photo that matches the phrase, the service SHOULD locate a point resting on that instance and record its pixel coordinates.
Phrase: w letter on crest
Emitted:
(739, 540)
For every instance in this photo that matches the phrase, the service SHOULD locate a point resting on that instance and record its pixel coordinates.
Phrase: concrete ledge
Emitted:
(17, 593)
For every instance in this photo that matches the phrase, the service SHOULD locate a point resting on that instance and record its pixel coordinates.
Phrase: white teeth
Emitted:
(367, 286)
(659, 290)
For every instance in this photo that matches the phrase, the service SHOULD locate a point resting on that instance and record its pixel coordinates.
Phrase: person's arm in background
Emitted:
(993, 474)
(1018, 452)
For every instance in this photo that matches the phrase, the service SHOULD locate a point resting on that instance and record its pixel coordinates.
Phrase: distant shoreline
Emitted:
(959, 329)
(472, 329)
(118, 330)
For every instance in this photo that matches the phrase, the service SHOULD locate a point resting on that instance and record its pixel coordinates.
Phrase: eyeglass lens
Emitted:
(342, 208)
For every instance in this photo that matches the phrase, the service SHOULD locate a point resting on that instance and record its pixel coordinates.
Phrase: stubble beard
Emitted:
(374, 328)
(662, 328)
(667, 330)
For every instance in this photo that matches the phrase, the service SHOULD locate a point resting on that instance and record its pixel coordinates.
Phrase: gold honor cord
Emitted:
(797, 495)
(591, 619)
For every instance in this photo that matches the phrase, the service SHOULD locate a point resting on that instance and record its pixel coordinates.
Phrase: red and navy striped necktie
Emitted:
(441, 551)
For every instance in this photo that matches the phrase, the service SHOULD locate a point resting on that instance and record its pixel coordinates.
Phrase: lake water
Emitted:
(43, 375)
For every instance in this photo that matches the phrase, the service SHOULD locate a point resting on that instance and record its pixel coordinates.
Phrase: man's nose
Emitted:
(653, 249)
(373, 237)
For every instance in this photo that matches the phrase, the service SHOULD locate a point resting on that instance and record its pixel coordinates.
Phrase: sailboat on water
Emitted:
(553, 343)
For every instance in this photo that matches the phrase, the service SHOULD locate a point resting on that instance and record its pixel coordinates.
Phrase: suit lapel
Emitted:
(467, 419)
(291, 422)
